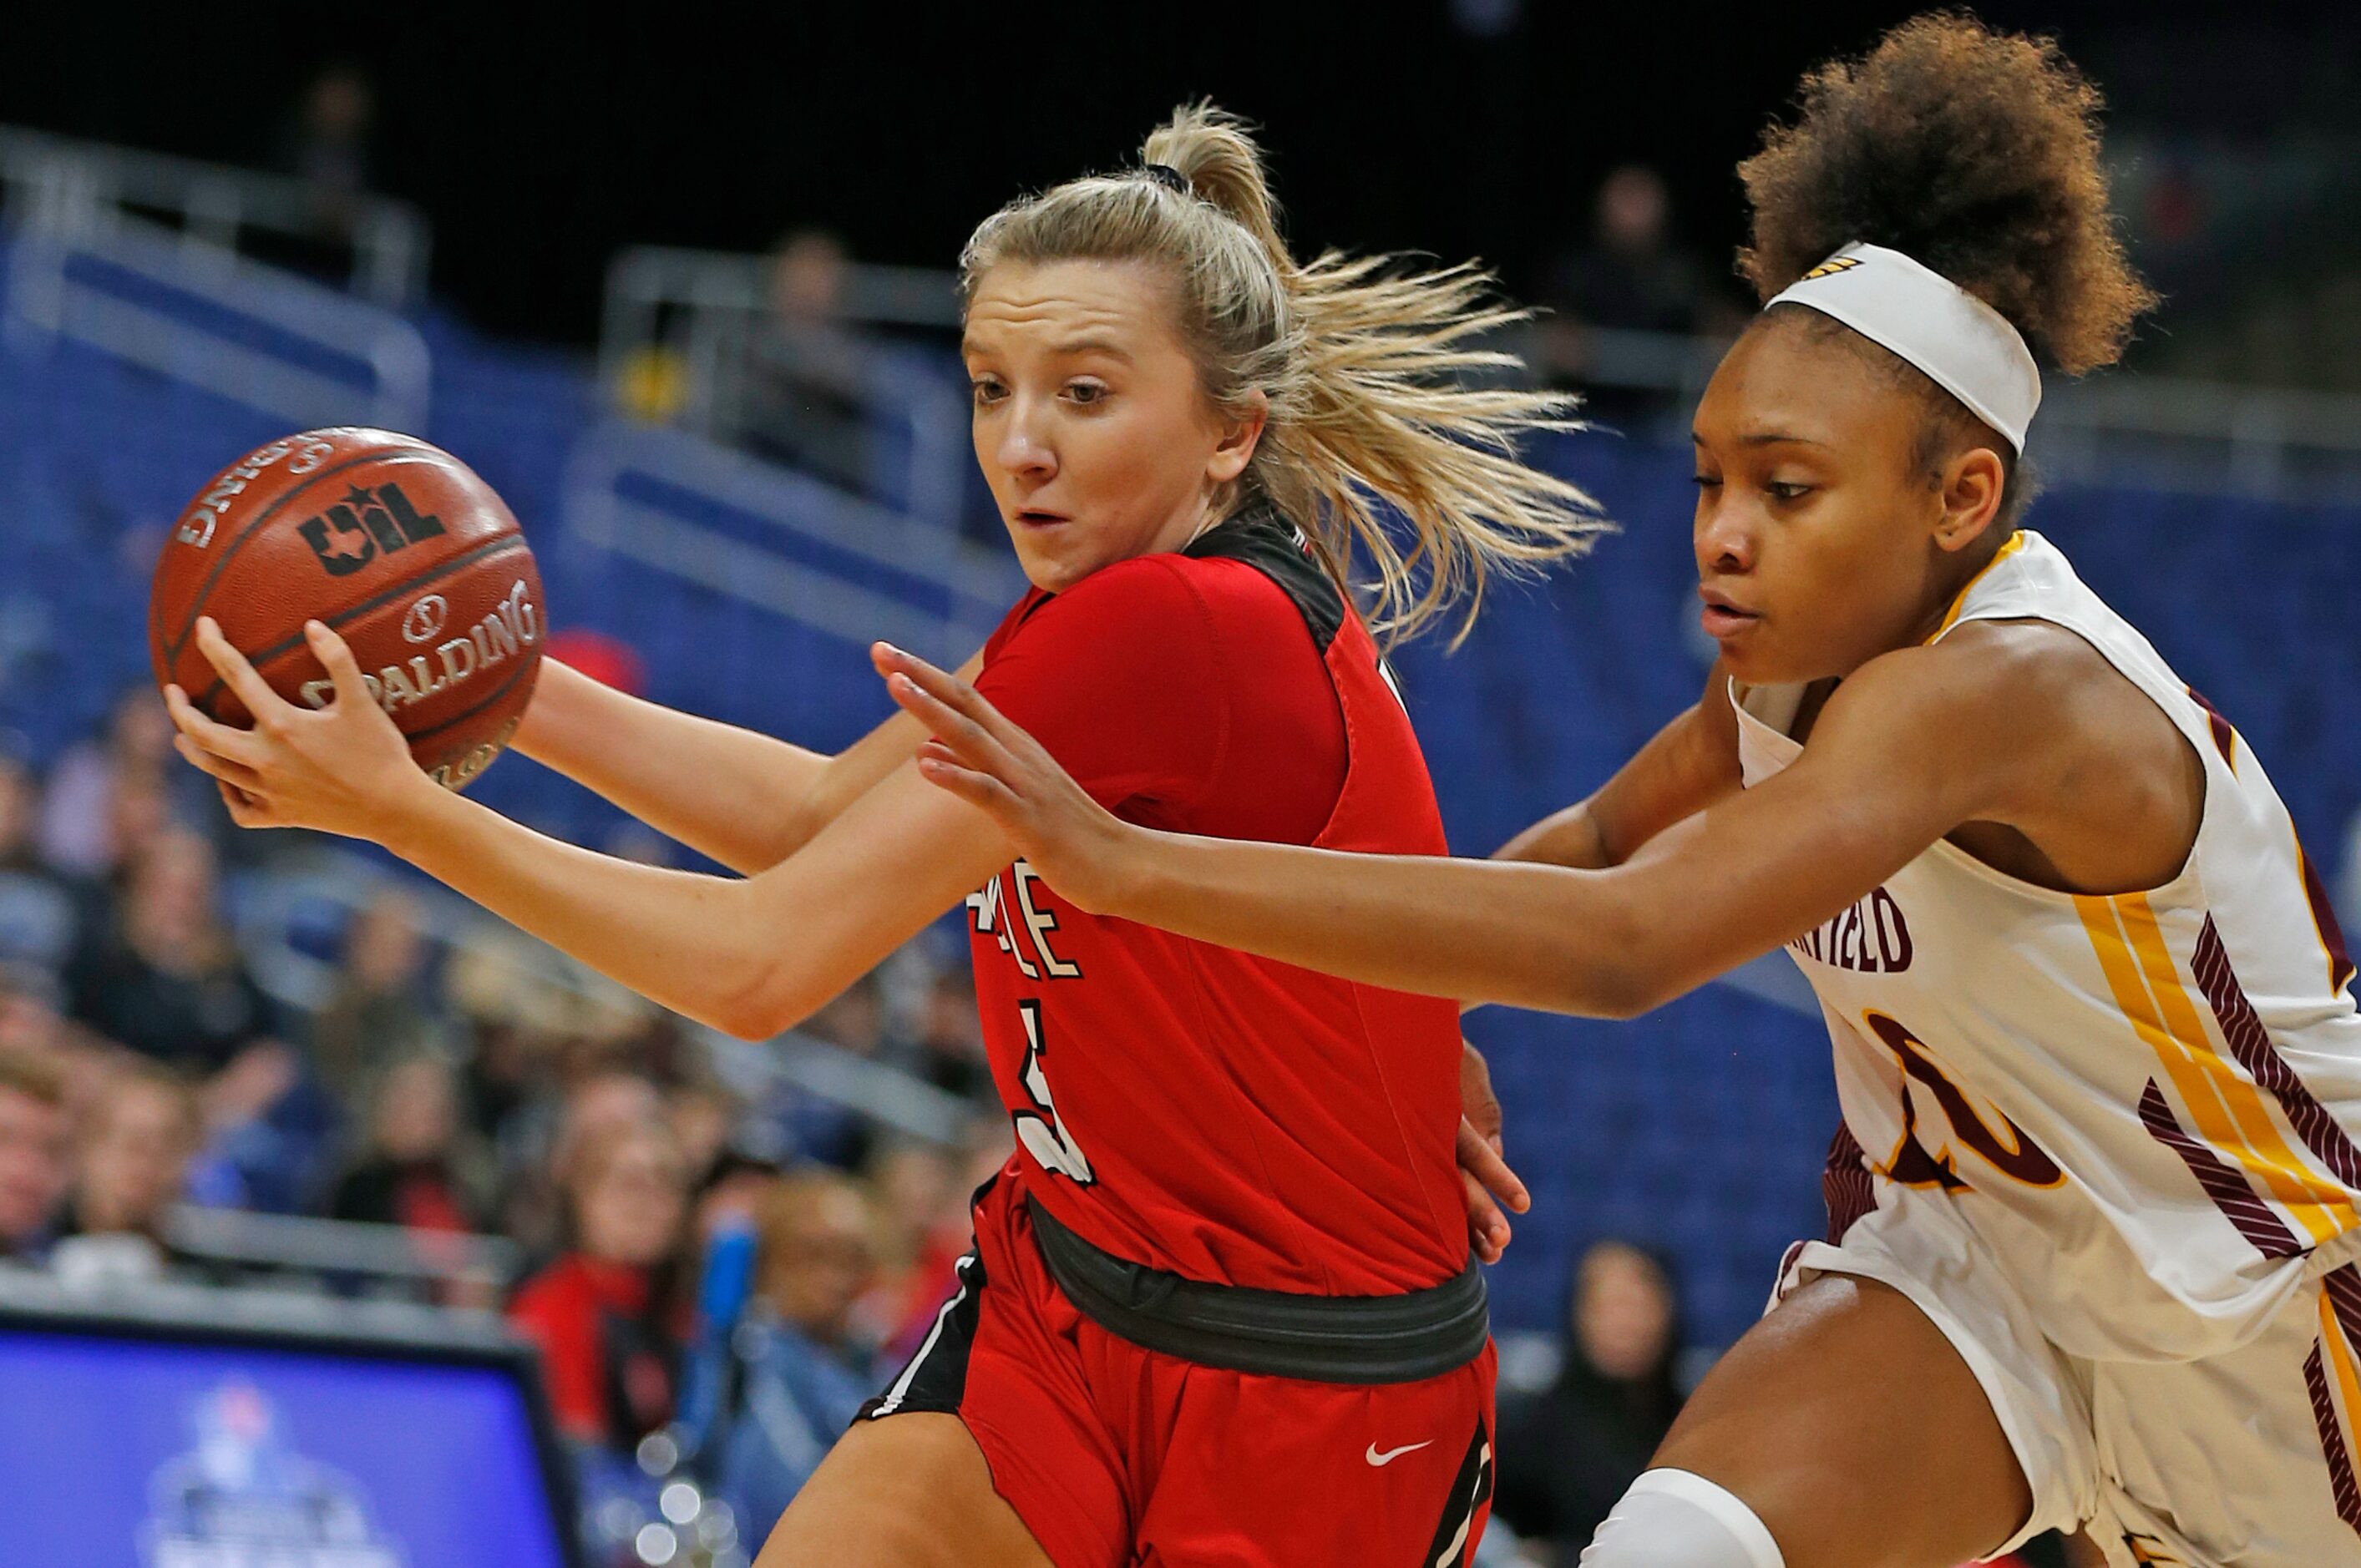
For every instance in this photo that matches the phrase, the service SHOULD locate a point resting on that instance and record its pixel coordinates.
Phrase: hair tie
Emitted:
(1171, 179)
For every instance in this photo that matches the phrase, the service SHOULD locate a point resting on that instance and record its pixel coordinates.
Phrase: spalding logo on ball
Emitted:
(396, 544)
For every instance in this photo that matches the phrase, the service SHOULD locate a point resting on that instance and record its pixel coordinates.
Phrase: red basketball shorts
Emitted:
(1120, 1457)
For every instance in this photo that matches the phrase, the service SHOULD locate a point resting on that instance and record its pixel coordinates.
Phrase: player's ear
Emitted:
(1973, 483)
(1241, 430)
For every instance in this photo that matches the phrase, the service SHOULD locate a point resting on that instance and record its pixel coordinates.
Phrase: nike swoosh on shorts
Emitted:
(1389, 1455)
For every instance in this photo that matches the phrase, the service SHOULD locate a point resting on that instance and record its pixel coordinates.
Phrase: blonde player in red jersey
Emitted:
(1221, 1305)
(2093, 1208)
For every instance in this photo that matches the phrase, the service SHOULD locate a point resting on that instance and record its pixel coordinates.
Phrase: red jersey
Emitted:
(1224, 1117)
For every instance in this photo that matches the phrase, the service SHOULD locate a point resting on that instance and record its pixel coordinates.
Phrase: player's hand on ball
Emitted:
(1070, 840)
(343, 769)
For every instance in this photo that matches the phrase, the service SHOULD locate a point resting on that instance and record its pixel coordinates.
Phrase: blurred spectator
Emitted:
(807, 371)
(540, 1141)
(1568, 1452)
(418, 1167)
(32, 1007)
(610, 1314)
(327, 144)
(45, 918)
(854, 1021)
(1629, 276)
(950, 1036)
(167, 981)
(140, 1133)
(33, 1133)
(803, 1371)
(107, 797)
(923, 1226)
(382, 1007)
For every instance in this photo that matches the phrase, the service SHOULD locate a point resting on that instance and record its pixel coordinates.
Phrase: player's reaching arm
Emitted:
(1913, 745)
(1690, 763)
(752, 956)
(745, 799)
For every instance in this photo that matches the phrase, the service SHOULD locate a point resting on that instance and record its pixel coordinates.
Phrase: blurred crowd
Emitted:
(715, 1278)
(580, 1164)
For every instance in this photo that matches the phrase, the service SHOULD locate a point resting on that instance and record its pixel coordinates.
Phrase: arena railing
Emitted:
(249, 333)
(703, 309)
(66, 184)
(783, 541)
(269, 906)
(2153, 431)
(293, 1249)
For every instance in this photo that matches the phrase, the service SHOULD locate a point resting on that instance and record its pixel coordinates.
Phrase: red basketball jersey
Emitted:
(1223, 1116)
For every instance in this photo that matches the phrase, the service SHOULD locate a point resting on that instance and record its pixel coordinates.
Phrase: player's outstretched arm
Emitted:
(752, 956)
(1913, 745)
(747, 800)
(1686, 766)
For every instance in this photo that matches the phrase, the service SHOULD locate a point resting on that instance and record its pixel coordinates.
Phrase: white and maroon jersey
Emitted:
(2150, 1103)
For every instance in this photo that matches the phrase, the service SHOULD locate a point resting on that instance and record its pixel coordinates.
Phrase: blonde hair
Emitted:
(1360, 360)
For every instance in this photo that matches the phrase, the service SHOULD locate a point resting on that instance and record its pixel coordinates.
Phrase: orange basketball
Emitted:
(395, 543)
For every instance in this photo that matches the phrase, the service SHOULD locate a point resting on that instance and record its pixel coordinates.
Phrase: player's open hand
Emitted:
(1491, 1186)
(1071, 842)
(342, 768)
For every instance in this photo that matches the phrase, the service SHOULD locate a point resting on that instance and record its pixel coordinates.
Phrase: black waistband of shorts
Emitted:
(1326, 1339)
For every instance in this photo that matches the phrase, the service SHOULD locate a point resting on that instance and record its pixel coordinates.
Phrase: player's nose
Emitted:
(1025, 449)
(1725, 541)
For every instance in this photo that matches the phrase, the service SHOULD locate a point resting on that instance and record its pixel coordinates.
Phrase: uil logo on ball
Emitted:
(365, 524)
(423, 623)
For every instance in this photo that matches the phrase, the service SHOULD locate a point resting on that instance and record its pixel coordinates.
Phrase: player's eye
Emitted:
(986, 389)
(1787, 490)
(1706, 481)
(1087, 392)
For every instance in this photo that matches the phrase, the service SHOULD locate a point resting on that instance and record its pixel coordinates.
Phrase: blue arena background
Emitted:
(1700, 1128)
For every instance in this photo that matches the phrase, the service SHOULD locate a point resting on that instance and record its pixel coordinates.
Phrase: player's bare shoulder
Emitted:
(2092, 786)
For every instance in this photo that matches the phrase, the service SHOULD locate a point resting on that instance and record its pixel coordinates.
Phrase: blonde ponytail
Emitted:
(1363, 364)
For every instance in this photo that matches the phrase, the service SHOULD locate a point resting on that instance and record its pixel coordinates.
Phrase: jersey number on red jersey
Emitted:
(1039, 1128)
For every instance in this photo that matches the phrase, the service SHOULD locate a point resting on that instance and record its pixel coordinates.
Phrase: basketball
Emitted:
(394, 543)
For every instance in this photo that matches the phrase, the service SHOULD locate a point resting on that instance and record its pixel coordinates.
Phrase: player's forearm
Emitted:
(681, 939)
(1478, 931)
(730, 794)
(1569, 837)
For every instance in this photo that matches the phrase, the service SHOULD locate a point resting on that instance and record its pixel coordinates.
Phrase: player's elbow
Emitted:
(1624, 972)
(764, 1007)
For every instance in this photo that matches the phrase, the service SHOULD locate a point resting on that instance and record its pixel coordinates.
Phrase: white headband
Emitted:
(1966, 347)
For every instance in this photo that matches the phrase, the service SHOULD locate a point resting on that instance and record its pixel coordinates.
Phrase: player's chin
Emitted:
(1054, 564)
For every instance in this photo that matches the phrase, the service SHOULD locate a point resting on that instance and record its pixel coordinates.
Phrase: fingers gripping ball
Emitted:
(397, 546)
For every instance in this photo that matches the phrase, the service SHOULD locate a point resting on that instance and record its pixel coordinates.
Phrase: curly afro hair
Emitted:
(1975, 152)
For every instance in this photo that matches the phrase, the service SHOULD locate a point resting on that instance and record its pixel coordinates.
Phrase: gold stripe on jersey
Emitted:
(1951, 616)
(2228, 1108)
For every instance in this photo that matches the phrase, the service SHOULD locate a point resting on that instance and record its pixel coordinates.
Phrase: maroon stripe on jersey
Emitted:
(2225, 739)
(2324, 915)
(2344, 1288)
(1845, 1184)
(2254, 1219)
(2332, 1443)
(2251, 1044)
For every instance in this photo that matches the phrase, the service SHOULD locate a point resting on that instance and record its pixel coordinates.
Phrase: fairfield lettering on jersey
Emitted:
(1872, 937)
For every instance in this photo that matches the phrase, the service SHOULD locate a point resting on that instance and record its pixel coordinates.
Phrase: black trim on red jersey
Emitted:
(1402, 1338)
(1261, 537)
